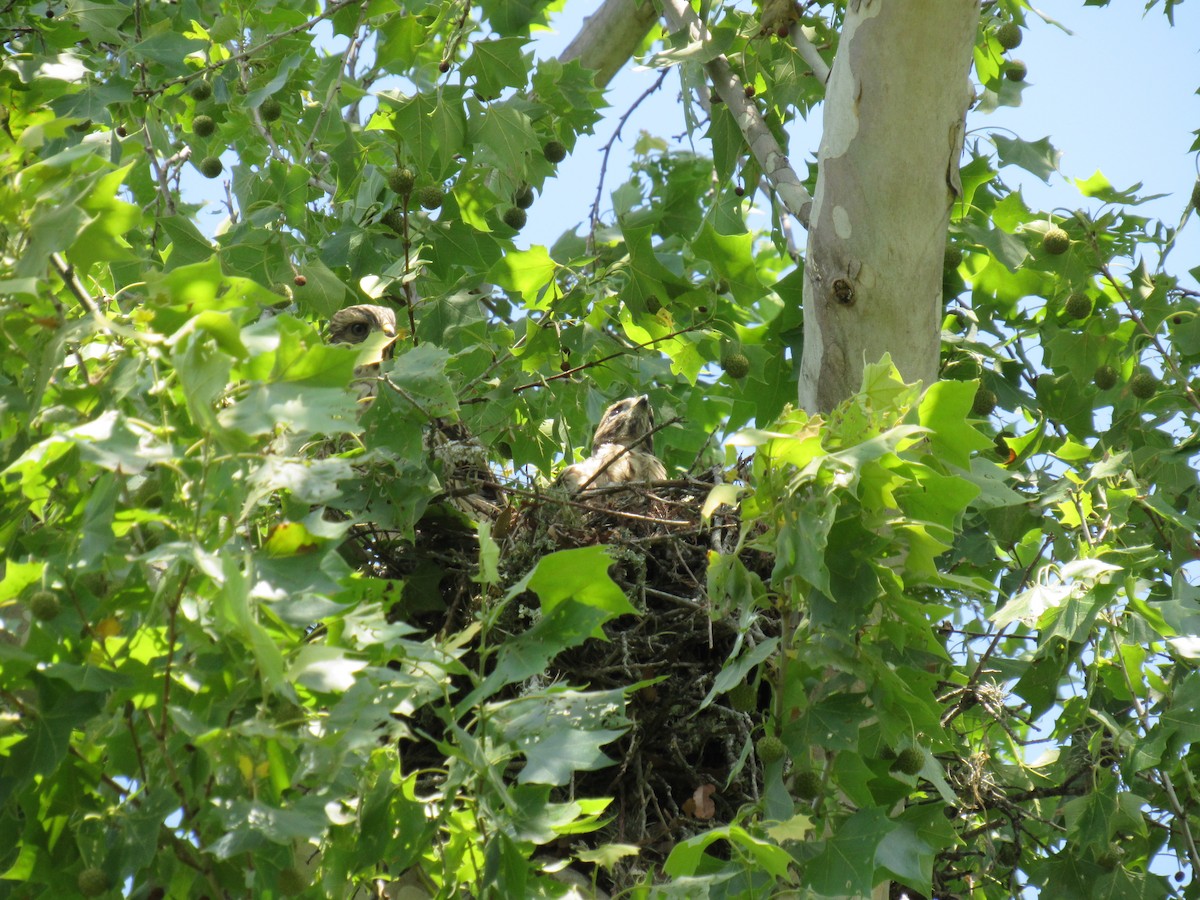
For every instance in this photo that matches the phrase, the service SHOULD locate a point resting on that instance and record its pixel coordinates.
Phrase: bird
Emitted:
(467, 479)
(353, 325)
(622, 449)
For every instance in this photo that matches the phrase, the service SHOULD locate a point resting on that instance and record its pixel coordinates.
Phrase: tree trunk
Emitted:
(888, 174)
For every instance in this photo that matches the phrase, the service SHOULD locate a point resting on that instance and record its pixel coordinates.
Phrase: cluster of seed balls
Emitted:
(204, 126)
(402, 181)
(1009, 37)
(807, 783)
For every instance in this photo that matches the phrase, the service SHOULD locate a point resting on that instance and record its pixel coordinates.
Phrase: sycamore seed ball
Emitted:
(394, 219)
(92, 882)
(807, 785)
(1016, 70)
(270, 110)
(1078, 306)
(203, 126)
(211, 167)
(555, 151)
(1105, 378)
(1143, 385)
(910, 761)
(430, 197)
(952, 258)
(45, 605)
(769, 748)
(736, 365)
(523, 198)
(1009, 35)
(400, 181)
(1056, 241)
(984, 402)
(201, 91)
(514, 217)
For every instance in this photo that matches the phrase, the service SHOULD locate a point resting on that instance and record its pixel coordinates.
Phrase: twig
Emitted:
(67, 273)
(969, 688)
(541, 382)
(1168, 362)
(595, 214)
(579, 504)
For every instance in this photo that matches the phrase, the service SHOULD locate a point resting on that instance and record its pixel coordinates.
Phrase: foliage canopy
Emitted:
(964, 609)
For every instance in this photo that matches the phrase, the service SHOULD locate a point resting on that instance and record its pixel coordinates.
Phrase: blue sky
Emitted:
(1117, 94)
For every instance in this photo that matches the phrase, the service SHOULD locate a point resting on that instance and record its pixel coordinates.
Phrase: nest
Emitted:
(682, 767)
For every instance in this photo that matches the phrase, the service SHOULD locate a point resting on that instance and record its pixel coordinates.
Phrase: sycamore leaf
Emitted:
(1038, 157)
(687, 857)
(845, 865)
(561, 732)
(580, 575)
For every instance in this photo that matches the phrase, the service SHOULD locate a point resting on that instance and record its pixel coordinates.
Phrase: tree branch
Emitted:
(769, 155)
(610, 36)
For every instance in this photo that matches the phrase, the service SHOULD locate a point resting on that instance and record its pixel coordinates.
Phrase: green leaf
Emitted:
(944, 410)
(420, 376)
(530, 274)
(686, 858)
(561, 732)
(580, 575)
(906, 855)
(61, 711)
(842, 867)
(1038, 157)
(510, 137)
(496, 64)
(1089, 818)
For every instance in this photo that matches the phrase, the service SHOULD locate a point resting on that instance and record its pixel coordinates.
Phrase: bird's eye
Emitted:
(360, 329)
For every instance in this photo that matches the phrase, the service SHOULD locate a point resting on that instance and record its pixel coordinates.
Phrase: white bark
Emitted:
(894, 116)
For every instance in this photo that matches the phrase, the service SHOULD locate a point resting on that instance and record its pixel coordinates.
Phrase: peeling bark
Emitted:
(888, 175)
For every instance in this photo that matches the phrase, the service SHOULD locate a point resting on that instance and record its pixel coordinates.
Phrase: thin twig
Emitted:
(541, 382)
(67, 273)
(594, 218)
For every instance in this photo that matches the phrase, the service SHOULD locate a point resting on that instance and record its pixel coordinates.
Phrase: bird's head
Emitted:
(355, 324)
(625, 422)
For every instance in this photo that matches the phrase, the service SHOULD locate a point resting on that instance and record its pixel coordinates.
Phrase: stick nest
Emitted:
(683, 766)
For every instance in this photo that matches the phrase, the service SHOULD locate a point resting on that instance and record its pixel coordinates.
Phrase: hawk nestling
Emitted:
(622, 449)
(355, 324)
(467, 480)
